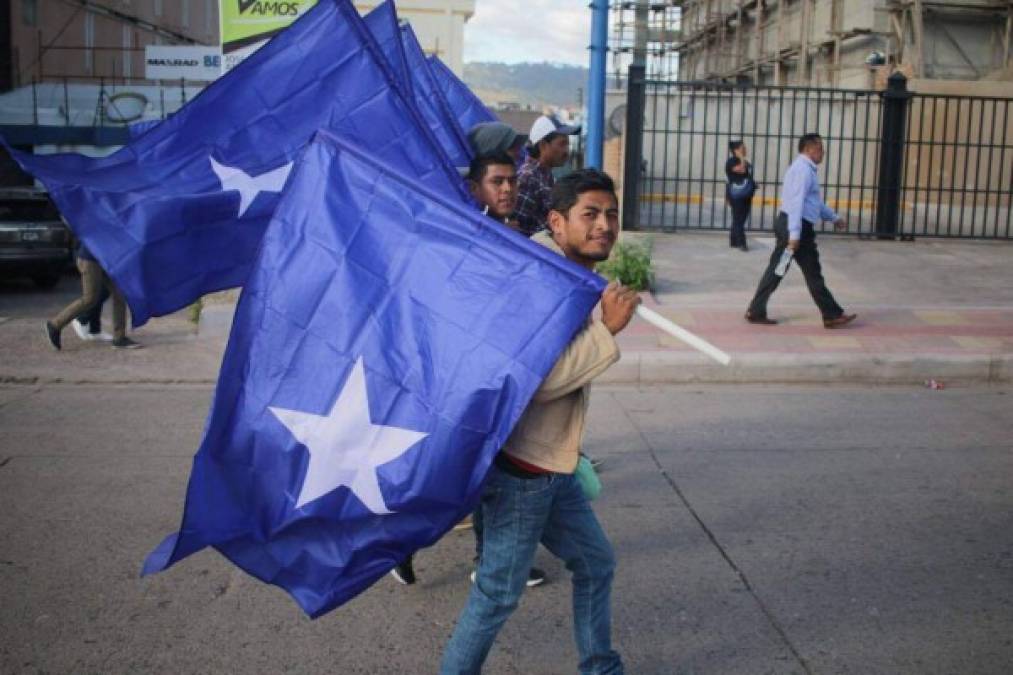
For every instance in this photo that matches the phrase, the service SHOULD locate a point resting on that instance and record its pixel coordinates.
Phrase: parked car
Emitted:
(34, 242)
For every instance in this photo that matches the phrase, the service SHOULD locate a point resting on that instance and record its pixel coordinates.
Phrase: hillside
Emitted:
(527, 84)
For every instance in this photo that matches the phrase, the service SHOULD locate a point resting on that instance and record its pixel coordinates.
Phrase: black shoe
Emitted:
(536, 577)
(840, 322)
(761, 320)
(743, 248)
(404, 572)
(126, 343)
(53, 335)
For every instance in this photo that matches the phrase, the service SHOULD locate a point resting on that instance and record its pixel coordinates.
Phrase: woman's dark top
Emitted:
(736, 177)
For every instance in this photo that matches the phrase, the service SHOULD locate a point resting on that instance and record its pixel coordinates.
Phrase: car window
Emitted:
(32, 211)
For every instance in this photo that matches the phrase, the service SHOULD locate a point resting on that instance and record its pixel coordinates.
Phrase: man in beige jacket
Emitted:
(531, 494)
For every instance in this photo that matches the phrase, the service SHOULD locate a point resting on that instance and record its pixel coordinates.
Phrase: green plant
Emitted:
(195, 310)
(630, 265)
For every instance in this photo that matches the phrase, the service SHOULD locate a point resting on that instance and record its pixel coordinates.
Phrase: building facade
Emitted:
(91, 40)
(832, 43)
(86, 40)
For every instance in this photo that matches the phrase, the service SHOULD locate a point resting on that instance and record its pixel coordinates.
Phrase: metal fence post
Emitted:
(635, 93)
(891, 156)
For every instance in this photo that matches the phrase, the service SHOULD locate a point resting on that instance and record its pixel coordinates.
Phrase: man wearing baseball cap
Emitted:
(548, 148)
(492, 138)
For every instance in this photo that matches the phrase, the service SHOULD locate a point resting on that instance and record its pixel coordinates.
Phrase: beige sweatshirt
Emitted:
(550, 430)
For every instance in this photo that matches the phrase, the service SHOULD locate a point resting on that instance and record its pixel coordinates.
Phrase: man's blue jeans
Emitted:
(517, 514)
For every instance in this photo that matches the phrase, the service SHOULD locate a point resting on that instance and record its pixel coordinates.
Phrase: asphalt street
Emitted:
(759, 529)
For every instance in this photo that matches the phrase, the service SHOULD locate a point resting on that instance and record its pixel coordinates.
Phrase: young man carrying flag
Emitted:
(492, 180)
(531, 495)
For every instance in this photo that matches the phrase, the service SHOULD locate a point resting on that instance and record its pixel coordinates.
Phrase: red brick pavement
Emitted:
(876, 331)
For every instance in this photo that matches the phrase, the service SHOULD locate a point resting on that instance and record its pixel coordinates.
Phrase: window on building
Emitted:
(128, 54)
(30, 12)
(209, 15)
(89, 42)
(185, 9)
(158, 7)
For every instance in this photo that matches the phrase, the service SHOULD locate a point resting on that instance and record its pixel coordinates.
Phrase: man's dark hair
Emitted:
(535, 151)
(808, 140)
(568, 189)
(480, 165)
(734, 145)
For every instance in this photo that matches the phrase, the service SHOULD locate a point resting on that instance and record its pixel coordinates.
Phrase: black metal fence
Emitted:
(897, 164)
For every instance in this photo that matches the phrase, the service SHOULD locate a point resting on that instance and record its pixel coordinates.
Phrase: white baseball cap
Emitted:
(546, 125)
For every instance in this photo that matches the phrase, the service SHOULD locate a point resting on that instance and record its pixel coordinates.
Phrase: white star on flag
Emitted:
(345, 447)
(234, 178)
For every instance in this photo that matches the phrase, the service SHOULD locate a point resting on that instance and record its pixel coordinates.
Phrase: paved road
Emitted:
(759, 530)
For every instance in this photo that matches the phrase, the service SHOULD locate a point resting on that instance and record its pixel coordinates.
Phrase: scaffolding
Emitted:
(648, 32)
(841, 42)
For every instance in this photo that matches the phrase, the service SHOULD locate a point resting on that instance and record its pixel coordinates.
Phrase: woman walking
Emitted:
(739, 192)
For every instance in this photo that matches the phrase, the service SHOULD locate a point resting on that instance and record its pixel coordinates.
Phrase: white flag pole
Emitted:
(680, 333)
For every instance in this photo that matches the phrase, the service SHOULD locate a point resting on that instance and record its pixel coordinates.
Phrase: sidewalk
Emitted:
(929, 309)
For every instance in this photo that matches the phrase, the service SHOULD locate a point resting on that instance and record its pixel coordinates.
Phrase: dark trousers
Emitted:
(93, 317)
(740, 214)
(808, 260)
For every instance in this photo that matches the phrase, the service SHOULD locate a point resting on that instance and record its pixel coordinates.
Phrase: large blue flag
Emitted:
(383, 24)
(431, 103)
(180, 211)
(383, 348)
(408, 62)
(464, 105)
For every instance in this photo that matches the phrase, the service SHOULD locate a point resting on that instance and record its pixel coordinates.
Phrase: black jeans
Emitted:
(740, 214)
(808, 260)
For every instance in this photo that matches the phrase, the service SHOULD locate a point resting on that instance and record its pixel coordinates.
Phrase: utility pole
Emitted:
(596, 84)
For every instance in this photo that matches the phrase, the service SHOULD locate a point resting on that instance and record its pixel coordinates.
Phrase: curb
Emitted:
(671, 368)
(657, 368)
(645, 368)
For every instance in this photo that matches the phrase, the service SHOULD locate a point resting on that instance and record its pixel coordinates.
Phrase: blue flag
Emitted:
(464, 105)
(382, 23)
(383, 348)
(138, 129)
(180, 211)
(408, 62)
(430, 102)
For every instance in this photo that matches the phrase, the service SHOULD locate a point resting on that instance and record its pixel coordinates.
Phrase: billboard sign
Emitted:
(248, 24)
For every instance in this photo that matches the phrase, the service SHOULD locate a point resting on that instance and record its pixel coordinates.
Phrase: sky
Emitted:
(512, 31)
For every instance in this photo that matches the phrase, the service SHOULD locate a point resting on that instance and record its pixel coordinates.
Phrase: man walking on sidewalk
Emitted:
(801, 206)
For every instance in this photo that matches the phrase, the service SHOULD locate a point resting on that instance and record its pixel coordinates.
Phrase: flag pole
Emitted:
(683, 335)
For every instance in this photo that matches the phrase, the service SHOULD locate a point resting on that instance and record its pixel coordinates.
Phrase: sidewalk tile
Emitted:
(669, 342)
(980, 343)
(803, 321)
(834, 342)
(682, 318)
(938, 318)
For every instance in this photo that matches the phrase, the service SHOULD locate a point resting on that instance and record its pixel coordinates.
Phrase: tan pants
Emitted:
(92, 278)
